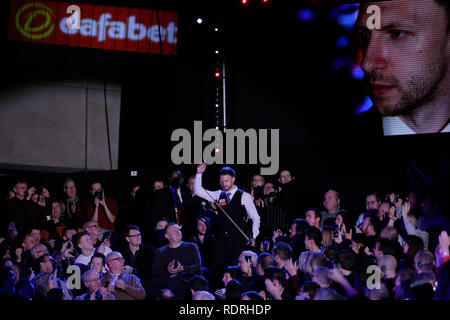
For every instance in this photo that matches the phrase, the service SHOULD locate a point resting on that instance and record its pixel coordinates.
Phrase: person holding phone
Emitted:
(47, 278)
(102, 209)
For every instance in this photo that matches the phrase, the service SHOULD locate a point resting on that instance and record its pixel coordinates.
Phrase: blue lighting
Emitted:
(340, 63)
(306, 15)
(347, 20)
(357, 72)
(342, 41)
(364, 106)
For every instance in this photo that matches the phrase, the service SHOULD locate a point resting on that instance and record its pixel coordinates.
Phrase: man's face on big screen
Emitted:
(406, 61)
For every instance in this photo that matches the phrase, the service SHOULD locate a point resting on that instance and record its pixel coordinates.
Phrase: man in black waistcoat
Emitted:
(240, 207)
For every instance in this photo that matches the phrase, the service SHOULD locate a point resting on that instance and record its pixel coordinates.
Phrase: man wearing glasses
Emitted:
(94, 231)
(372, 203)
(74, 208)
(137, 255)
(95, 291)
(124, 286)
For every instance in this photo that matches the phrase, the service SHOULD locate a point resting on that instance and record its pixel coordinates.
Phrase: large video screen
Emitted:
(404, 64)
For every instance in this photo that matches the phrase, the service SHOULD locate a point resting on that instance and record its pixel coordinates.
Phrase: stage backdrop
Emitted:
(59, 125)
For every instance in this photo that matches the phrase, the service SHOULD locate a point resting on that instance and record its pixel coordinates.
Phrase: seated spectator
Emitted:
(412, 245)
(297, 236)
(373, 202)
(122, 285)
(198, 283)
(233, 291)
(176, 261)
(91, 280)
(307, 291)
(377, 294)
(410, 219)
(158, 235)
(332, 205)
(327, 294)
(98, 264)
(313, 217)
(424, 261)
(137, 255)
(165, 295)
(251, 295)
(203, 295)
(38, 251)
(83, 242)
(320, 276)
(24, 290)
(314, 261)
(56, 221)
(247, 263)
(204, 240)
(47, 279)
(384, 246)
(371, 228)
(275, 281)
(230, 273)
(327, 236)
(93, 229)
(7, 283)
(313, 240)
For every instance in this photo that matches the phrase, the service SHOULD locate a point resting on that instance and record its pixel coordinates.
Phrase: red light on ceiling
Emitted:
(244, 1)
(217, 74)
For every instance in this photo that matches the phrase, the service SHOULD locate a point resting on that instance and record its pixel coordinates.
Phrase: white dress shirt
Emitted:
(246, 201)
(393, 126)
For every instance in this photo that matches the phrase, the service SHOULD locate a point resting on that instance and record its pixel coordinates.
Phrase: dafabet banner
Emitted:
(94, 26)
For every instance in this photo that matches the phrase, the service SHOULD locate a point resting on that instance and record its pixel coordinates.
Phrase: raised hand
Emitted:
(291, 267)
(335, 275)
(52, 284)
(275, 291)
(201, 168)
(405, 209)
(444, 243)
(120, 284)
(276, 234)
(128, 269)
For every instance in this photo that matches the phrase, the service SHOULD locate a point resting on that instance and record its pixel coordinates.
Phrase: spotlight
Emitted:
(199, 20)
(217, 74)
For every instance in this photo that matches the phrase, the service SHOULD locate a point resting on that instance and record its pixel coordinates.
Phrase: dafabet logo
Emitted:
(35, 20)
(94, 26)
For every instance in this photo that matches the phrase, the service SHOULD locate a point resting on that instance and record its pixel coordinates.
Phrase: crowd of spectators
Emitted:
(160, 245)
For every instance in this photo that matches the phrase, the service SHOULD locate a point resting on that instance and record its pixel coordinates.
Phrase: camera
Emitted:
(99, 194)
(106, 235)
(39, 190)
(335, 232)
